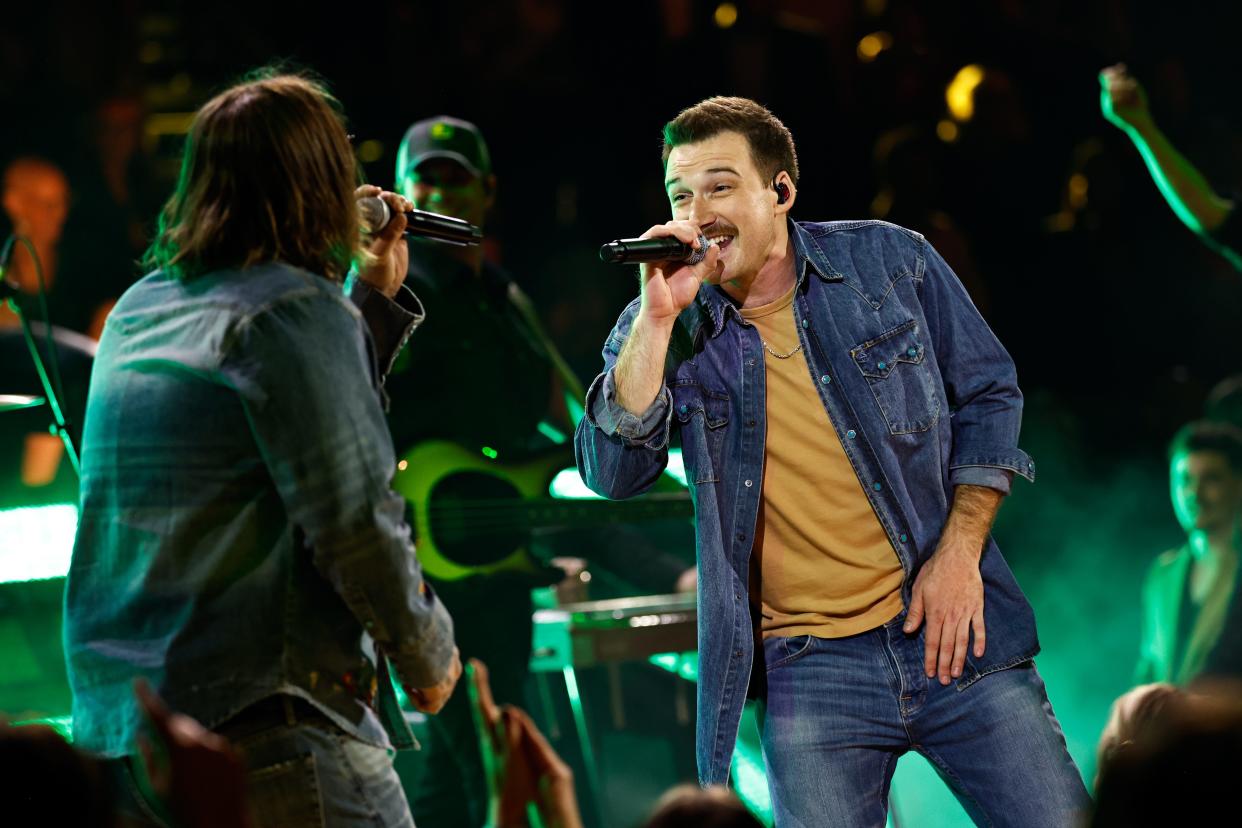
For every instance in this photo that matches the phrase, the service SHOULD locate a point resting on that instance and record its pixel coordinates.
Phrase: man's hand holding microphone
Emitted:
(668, 288)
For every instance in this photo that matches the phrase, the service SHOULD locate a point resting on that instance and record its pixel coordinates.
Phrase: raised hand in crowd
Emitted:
(1124, 103)
(522, 769)
(1123, 99)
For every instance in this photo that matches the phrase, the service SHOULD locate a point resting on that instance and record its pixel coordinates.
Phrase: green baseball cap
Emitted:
(443, 137)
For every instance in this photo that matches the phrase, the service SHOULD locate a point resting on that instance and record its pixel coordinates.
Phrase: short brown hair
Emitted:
(1206, 435)
(268, 174)
(771, 144)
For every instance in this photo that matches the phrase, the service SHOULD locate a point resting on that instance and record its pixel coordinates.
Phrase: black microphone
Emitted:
(376, 214)
(663, 249)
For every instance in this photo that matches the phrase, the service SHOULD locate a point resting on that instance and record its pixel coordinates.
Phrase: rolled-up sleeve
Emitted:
(621, 454)
(310, 393)
(391, 321)
(650, 429)
(980, 381)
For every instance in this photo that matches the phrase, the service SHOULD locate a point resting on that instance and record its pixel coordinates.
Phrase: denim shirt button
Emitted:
(877, 486)
(683, 409)
(750, 362)
(913, 352)
(806, 323)
(749, 483)
(825, 379)
(904, 537)
(882, 366)
(750, 423)
(851, 434)
(741, 536)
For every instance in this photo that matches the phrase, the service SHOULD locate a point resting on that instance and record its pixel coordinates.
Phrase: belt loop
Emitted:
(287, 704)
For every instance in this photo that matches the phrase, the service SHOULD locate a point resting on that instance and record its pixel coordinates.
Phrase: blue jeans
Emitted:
(303, 772)
(841, 711)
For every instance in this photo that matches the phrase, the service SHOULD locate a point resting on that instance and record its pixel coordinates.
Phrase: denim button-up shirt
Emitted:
(904, 365)
(238, 537)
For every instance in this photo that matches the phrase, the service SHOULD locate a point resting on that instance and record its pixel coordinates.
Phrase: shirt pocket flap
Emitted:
(877, 357)
(690, 399)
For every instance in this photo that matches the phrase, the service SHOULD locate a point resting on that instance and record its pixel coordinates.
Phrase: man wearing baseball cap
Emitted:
(482, 372)
(445, 162)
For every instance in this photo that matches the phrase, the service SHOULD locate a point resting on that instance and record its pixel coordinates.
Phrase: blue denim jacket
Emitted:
(238, 537)
(919, 390)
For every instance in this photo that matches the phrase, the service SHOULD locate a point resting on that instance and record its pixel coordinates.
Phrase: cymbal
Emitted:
(13, 402)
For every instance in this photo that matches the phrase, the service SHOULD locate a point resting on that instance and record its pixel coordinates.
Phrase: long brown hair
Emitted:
(268, 174)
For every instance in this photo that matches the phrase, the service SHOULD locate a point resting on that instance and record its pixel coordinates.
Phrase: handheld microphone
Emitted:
(663, 249)
(376, 214)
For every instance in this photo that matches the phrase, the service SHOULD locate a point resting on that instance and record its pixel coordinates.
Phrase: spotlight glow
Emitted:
(959, 95)
(36, 542)
(870, 47)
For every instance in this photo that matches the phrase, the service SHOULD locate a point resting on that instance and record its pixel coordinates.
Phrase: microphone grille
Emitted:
(373, 213)
(699, 255)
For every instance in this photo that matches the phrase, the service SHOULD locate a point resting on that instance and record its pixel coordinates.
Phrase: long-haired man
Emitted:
(239, 545)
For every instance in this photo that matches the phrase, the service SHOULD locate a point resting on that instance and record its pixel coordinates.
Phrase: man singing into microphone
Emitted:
(239, 545)
(850, 425)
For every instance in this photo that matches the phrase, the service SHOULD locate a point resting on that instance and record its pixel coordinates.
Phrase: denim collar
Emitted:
(714, 305)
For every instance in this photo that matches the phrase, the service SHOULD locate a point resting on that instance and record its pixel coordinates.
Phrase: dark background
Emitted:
(1119, 319)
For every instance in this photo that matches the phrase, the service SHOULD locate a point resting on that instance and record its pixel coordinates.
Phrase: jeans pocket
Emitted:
(786, 650)
(287, 793)
(897, 371)
(371, 769)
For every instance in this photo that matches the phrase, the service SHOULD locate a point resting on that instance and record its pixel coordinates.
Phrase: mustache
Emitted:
(719, 228)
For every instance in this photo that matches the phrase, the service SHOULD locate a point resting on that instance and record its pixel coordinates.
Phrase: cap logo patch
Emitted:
(441, 131)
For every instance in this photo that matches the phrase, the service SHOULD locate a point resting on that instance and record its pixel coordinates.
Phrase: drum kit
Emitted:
(31, 401)
(16, 402)
(62, 345)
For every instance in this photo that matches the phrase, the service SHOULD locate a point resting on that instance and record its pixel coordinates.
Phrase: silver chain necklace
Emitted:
(768, 348)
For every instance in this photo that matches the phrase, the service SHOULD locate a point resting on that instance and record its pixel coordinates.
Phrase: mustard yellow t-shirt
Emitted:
(823, 563)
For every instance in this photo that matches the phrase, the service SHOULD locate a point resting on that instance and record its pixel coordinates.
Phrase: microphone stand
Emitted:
(59, 426)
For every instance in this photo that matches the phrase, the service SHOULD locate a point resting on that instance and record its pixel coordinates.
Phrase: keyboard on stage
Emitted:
(622, 629)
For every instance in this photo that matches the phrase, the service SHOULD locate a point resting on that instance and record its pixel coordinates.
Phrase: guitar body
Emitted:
(476, 516)
(467, 507)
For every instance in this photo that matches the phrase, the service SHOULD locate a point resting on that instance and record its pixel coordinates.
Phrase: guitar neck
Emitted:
(553, 512)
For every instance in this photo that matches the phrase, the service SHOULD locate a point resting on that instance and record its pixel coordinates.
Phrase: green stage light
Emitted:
(568, 483)
(685, 665)
(676, 468)
(750, 779)
(36, 541)
(61, 724)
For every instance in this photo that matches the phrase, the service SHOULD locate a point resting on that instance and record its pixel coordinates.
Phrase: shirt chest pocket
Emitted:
(902, 382)
(702, 418)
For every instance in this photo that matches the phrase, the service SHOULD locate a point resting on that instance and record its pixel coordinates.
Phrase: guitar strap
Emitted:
(388, 708)
(575, 394)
